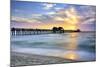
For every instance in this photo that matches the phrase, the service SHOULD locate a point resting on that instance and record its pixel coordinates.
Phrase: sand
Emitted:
(22, 59)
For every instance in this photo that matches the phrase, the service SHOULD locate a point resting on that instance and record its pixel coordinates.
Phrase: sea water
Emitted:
(79, 46)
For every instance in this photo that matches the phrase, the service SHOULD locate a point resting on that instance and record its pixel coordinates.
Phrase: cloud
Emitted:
(51, 13)
(87, 14)
(48, 6)
(89, 21)
(58, 8)
(59, 19)
(68, 16)
(21, 19)
(36, 16)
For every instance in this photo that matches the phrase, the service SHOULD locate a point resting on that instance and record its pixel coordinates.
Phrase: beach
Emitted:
(22, 59)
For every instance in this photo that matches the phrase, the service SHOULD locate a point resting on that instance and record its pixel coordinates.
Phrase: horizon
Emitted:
(51, 29)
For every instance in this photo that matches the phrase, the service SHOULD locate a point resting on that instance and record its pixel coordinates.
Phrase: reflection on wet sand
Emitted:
(72, 56)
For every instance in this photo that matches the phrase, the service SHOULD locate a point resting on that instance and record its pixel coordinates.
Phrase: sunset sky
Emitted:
(44, 15)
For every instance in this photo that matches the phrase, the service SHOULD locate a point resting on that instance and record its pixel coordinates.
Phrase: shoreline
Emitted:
(22, 59)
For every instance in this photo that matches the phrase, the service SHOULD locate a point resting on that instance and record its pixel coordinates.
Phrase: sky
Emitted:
(42, 15)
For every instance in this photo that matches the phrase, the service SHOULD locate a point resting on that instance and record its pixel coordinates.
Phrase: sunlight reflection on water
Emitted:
(72, 46)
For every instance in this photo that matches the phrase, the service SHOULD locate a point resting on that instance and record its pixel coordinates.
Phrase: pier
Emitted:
(23, 31)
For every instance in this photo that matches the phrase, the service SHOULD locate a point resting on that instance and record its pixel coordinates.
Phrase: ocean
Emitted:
(78, 46)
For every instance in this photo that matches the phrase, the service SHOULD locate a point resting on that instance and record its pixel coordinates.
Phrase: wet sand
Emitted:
(21, 59)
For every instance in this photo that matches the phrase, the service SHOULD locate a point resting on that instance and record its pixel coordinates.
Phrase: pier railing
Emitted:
(18, 31)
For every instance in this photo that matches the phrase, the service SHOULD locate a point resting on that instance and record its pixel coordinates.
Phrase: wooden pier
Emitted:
(23, 31)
